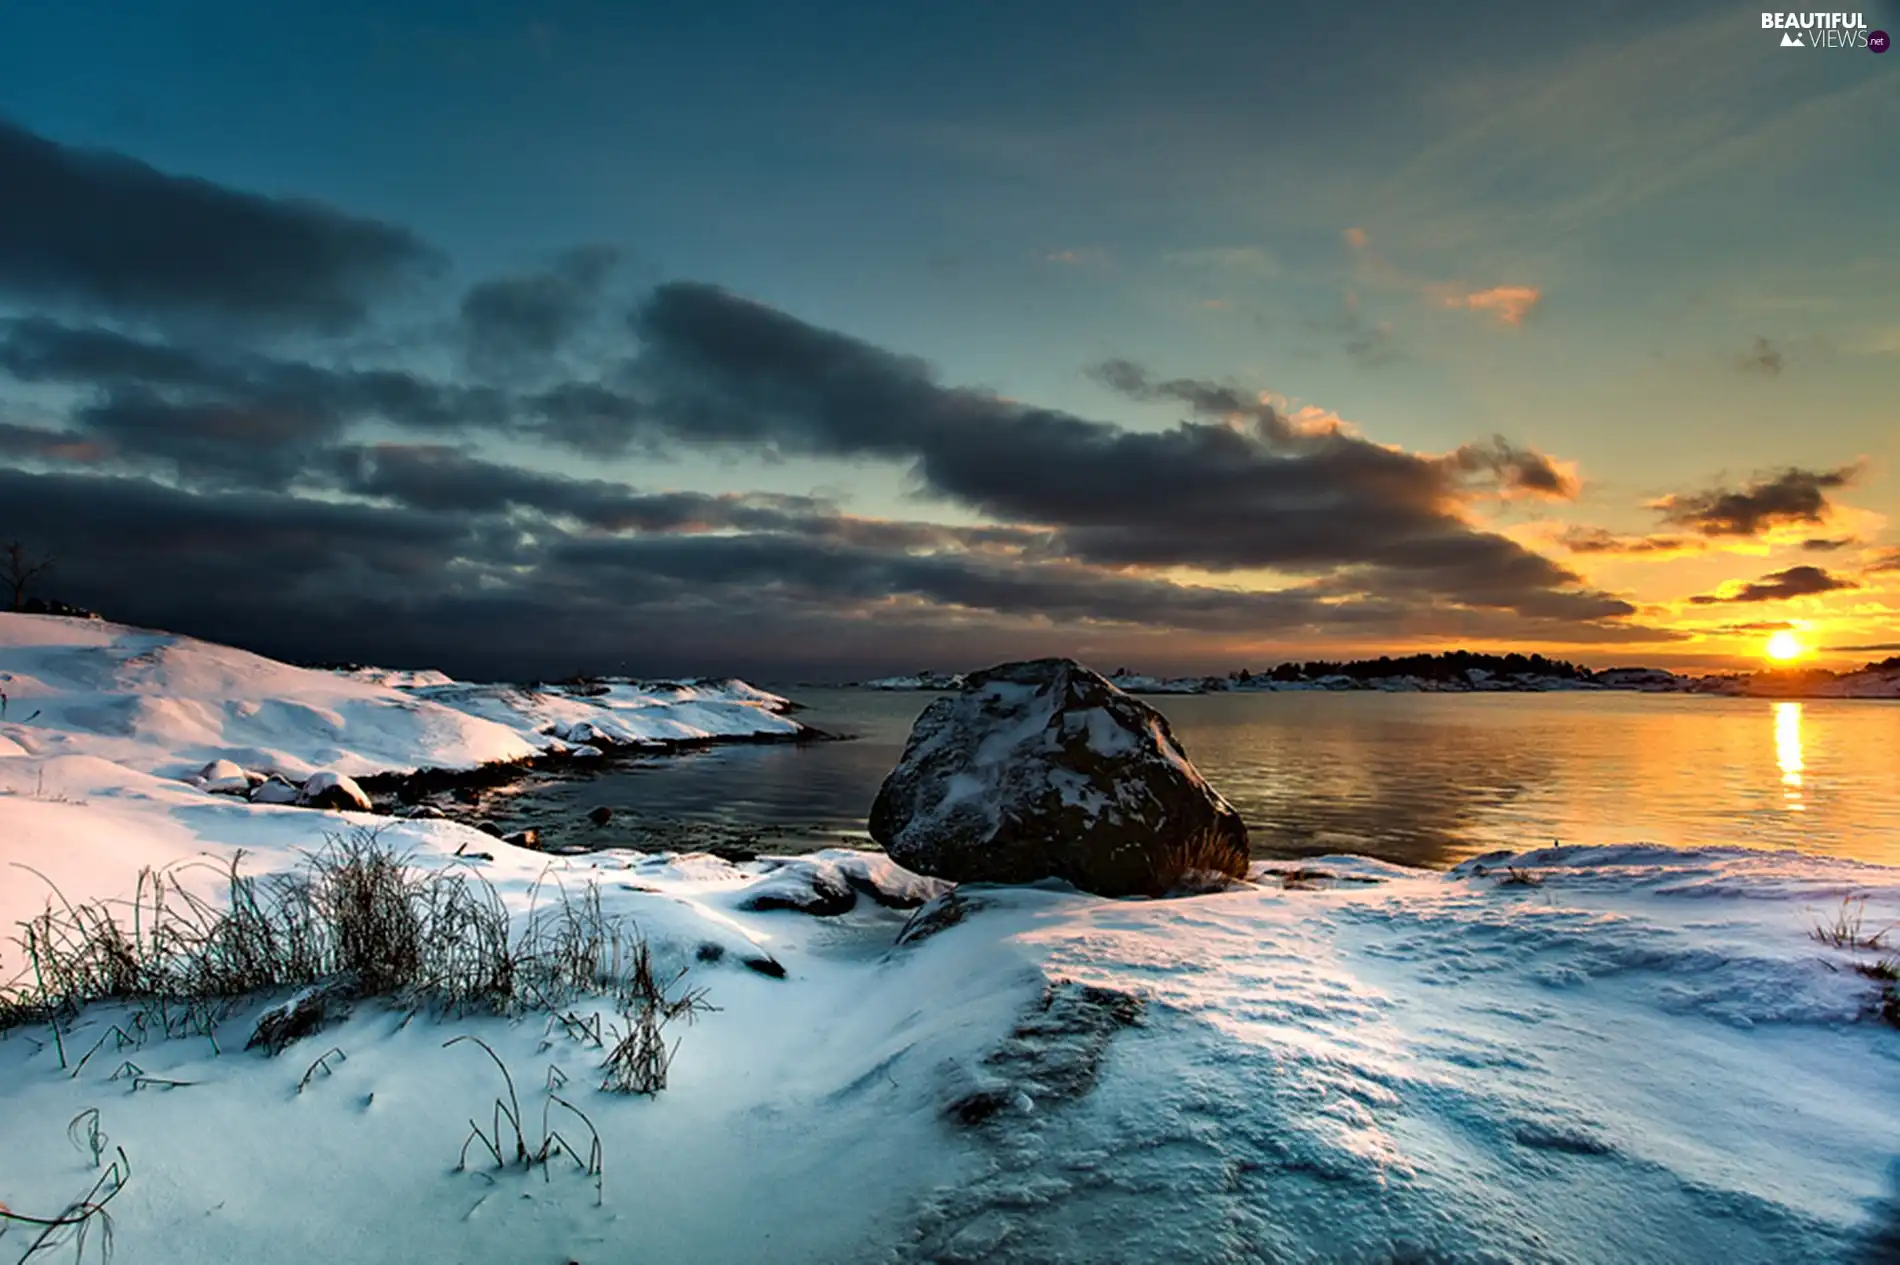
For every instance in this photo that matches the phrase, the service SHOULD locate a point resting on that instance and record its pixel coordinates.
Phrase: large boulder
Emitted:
(1045, 770)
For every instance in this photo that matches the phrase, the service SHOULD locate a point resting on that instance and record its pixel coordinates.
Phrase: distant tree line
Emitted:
(1446, 666)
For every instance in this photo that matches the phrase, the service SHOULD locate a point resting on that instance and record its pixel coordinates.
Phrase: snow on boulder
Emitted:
(804, 887)
(333, 790)
(830, 882)
(1046, 770)
(274, 790)
(221, 777)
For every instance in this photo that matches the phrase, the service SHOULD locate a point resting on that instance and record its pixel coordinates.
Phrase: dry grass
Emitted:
(640, 1057)
(85, 1220)
(1847, 928)
(506, 1141)
(1884, 971)
(356, 913)
(1202, 861)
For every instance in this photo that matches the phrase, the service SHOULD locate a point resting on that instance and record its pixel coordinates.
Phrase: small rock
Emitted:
(940, 914)
(805, 888)
(529, 838)
(489, 828)
(274, 790)
(221, 777)
(334, 790)
(601, 816)
(311, 1010)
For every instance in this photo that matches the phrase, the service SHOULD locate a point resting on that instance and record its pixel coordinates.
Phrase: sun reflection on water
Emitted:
(1788, 753)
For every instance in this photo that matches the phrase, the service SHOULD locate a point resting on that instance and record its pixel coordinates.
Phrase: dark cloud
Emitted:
(1793, 496)
(441, 479)
(1762, 357)
(1778, 586)
(518, 323)
(592, 418)
(1253, 490)
(233, 416)
(35, 349)
(437, 478)
(1598, 540)
(1518, 470)
(98, 230)
(277, 520)
(484, 591)
(33, 442)
(1241, 487)
(1827, 545)
(1885, 560)
(242, 445)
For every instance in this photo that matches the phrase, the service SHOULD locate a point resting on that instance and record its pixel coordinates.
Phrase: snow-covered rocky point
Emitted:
(1614, 1053)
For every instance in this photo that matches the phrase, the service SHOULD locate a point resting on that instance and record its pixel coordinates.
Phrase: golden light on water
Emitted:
(1788, 753)
(1783, 646)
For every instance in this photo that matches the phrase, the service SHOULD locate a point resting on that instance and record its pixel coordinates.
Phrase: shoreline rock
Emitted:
(1044, 769)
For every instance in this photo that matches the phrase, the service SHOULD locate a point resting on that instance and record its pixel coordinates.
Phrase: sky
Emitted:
(817, 341)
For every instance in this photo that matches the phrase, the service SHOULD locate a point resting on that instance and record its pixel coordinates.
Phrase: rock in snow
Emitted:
(274, 790)
(222, 777)
(1046, 770)
(333, 790)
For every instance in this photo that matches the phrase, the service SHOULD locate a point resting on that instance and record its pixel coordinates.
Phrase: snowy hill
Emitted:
(167, 704)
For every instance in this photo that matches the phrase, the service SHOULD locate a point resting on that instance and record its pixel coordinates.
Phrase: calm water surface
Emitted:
(1417, 778)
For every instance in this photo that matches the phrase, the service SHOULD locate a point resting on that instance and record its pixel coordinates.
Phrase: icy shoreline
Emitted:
(1635, 1054)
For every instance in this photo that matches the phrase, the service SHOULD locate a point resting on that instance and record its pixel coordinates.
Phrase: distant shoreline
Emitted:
(1865, 684)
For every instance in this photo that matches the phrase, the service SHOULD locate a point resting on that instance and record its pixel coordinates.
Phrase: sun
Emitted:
(1783, 646)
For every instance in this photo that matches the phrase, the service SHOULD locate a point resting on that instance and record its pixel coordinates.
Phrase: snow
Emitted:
(336, 789)
(221, 777)
(915, 681)
(169, 705)
(1641, 1054)
(1646, 1057)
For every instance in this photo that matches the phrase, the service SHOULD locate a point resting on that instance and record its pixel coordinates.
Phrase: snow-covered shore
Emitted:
(166, 704)
(1638, 1054)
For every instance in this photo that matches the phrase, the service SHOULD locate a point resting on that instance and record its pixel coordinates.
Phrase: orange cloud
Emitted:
(1356, 238)
(1508, 304)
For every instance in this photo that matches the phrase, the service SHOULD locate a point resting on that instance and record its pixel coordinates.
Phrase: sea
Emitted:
(1417, 779)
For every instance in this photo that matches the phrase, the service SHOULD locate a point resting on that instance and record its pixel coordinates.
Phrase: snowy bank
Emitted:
(169, 705)
(1636, 1054)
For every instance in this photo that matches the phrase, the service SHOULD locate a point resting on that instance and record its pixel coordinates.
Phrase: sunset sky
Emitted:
(818, 340)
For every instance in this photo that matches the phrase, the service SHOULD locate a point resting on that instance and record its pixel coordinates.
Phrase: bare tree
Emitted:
(20, 568)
